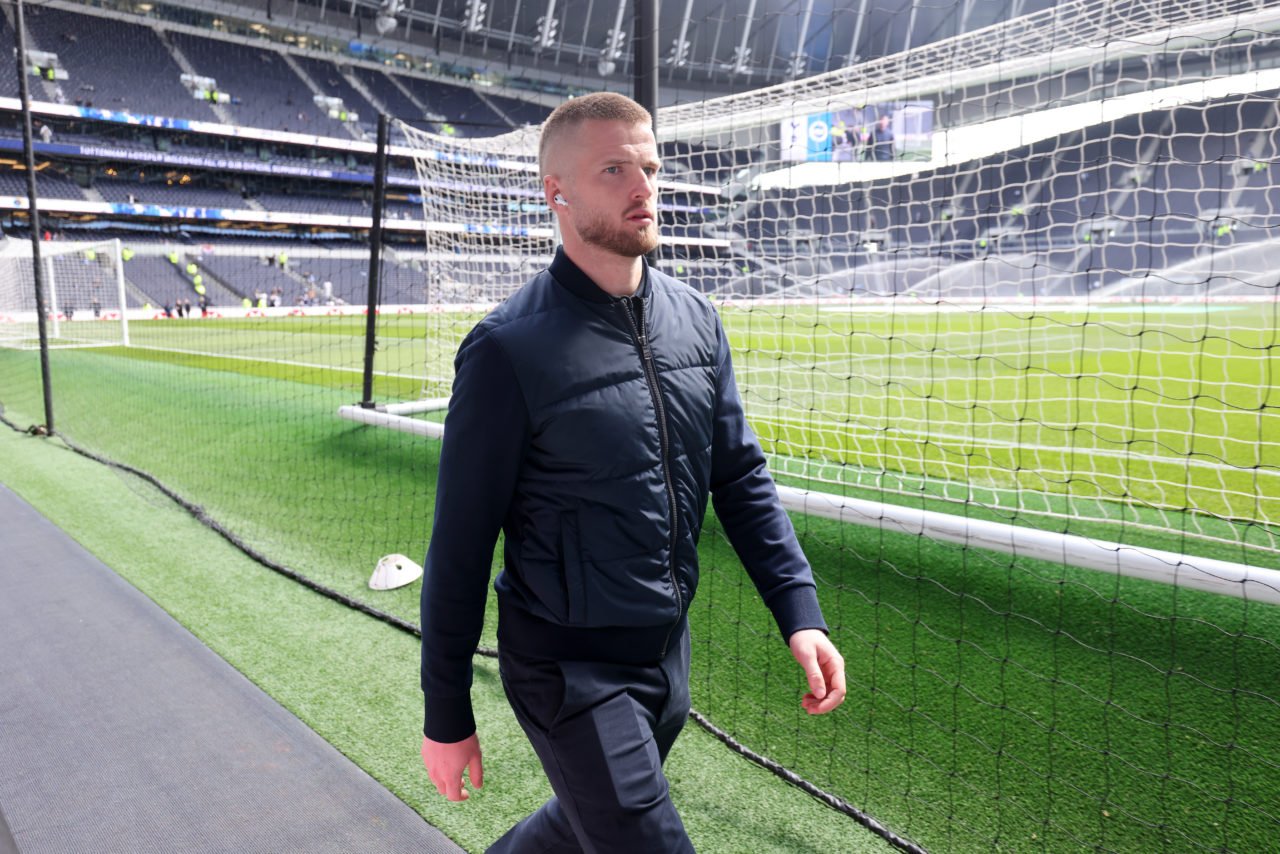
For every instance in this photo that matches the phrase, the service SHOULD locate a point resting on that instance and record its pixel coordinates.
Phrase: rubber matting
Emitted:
(120, 731)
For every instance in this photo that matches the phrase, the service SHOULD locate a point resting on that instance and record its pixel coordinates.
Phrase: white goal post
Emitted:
(85, 300)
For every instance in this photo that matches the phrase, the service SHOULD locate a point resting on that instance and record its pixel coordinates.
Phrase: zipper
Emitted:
(640, 330)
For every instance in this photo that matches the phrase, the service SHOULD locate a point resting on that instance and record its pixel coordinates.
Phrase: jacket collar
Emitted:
(578, 283)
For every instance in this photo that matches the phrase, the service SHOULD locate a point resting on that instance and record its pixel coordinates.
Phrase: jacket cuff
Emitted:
(797, 608)
(448, 719)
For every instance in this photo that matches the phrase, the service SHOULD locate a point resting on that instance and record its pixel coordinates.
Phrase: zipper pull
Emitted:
(644, 329)
(638, 302)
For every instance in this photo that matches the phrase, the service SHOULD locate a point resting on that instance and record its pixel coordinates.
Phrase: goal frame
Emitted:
(62, 324)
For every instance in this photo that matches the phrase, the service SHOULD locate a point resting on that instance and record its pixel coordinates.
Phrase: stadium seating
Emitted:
(1069, 215)
(161, 193)
(518, 112)
(114, 65)
(461, 106)
(49, 184)
(8, 71)
(393, 100)
(265, 91)
(162, 284)
(1098, 212)
(247, 276)
(333, 82)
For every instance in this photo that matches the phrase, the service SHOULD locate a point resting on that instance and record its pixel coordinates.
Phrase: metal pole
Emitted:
(51, 303)
(911, 26)
(964, 17)
(854, 57)
(798, 56)
(121, 294)
(375, 260)
(33, 216)
(680, 50)
(741, 63)
(645, 47)
(646, 57)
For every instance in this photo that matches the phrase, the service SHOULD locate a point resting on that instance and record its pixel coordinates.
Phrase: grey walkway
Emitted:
(120, 731)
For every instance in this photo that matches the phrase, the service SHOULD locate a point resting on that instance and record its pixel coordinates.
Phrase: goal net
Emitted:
(1007, 300)
(84, 294)
(1025, 279)
(1020, 269)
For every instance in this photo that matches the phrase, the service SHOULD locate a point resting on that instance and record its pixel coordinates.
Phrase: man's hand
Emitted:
(823, 667)
(446, 762)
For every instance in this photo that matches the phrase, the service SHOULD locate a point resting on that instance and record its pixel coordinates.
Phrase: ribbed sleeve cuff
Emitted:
(448, 719)
(797, 608)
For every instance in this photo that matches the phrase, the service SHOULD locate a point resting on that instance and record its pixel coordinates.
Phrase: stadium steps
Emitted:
(404, 90)
(223, 114)
(91, 193)
(134, 296)
(313, 86)
(48, 87)
(356, 83)
(498, 111)
(212, 277)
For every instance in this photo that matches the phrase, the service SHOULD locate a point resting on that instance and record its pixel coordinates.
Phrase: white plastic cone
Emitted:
(394, 571)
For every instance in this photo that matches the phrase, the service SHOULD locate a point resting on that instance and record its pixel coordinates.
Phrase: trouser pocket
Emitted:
(534, 688)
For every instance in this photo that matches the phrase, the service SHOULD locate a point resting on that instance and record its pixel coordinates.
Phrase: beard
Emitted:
(620, 240)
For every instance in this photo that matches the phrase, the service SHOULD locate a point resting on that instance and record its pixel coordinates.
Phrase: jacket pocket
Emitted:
(575, 589)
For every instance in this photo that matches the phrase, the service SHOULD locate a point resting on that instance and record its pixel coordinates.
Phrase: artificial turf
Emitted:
(354, 679)
(995, 701)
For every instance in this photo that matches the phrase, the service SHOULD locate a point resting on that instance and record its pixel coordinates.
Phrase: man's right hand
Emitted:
(446, 762)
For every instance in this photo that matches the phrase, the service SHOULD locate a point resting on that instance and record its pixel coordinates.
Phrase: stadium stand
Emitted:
(122, 66)
(518, 112)
(162, 193)
(1024, 222)
(48, 184)
(466, 110)
(393, 100)
(332, 81)
(232, 270)
(308, 203)
(158, 281)
(8, 71)
(265, 92)
(1057, 217)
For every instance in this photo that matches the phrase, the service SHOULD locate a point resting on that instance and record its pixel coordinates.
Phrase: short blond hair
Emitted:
(598, 106)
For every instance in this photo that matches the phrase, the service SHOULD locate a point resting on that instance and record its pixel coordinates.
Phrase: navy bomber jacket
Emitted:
(590, 429)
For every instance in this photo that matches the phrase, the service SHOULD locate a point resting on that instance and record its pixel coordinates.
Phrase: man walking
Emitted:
(592, 415)
(880, 145)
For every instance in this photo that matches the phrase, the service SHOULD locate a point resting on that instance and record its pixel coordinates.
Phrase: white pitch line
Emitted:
(903, 433)
(289, 362)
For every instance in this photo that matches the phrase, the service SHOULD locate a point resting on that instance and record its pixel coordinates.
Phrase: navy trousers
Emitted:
(602, 732)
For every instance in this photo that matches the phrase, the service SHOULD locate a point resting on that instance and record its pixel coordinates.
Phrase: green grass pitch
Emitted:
(994, 700)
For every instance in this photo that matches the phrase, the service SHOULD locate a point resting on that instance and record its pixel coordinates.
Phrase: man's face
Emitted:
(610, 182)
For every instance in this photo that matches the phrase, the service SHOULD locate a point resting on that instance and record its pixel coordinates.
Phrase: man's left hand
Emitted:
(823, 667)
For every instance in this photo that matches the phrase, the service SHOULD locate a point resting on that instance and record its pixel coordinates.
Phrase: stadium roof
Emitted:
(705, 46)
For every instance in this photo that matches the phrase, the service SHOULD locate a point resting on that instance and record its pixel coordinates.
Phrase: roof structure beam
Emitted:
(798, 59)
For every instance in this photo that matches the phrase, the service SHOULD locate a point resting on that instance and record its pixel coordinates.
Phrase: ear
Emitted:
(550, 188)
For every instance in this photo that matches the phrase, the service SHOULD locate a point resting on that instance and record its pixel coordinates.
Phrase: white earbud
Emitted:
(559, 200)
